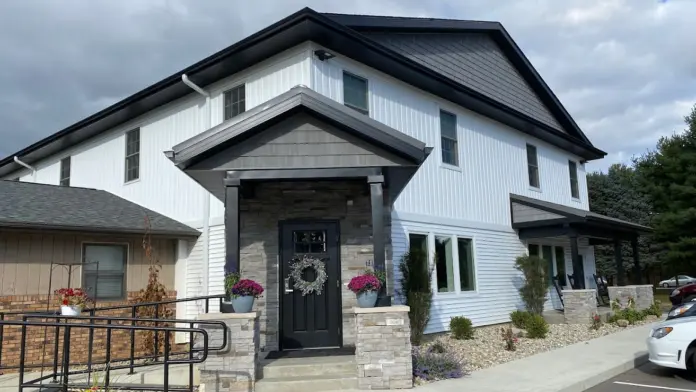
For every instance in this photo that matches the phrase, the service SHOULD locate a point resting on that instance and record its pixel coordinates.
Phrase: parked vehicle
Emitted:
(687, 309)
(672, 282)
(669, 343)
(683, 294)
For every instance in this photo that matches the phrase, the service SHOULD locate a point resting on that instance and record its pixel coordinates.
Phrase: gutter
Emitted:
(32, 168)
(206, 195)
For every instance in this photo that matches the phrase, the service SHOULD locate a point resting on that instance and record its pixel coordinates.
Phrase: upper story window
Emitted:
(448, 138)
(65, 172)
(532, 166)
(574, 188)
(104, 272)
(355, 93)
(234, 102)
(133, 155)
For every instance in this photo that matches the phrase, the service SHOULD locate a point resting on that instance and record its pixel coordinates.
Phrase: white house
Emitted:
(350, 138)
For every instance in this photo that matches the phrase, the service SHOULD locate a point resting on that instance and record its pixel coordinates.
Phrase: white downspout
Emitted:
(206, 194)
(32, 168)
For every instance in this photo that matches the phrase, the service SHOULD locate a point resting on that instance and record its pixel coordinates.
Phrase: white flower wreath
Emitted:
(300, 265)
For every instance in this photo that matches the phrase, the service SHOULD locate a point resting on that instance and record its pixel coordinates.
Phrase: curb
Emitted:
(597, 379)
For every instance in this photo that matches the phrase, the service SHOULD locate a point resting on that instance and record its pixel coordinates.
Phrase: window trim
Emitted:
(365, 111)
(125, 163)
(457, 160)
(553, 246)
(577, 179)
(529, 164)
(126, 260)
(224, 95)
(61, 179)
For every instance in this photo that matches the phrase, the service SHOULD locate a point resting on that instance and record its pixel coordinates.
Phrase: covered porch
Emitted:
(304, 177)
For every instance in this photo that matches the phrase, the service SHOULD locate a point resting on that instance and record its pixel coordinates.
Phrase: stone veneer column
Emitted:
(622, 293)
(233, 368)
(644, 296)
(579, 305)
(383, 348)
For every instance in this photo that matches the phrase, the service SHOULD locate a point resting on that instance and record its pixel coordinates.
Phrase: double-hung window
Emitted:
(532, 166)
(104, 271)
(574, 188)
(355, 93)
(133, 155)
(65, 171)
(234, 102)
(454, 267)
(448, 138)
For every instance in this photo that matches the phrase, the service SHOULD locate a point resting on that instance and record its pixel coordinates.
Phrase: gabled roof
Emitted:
(308, 25)
(51, 207)
(298, 98)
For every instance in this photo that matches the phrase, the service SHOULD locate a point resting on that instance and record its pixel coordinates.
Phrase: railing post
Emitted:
(132, 341)
(156, 332)
(66, 356)
(55, 351)
(22, 353)
(191, 358)
(166, 361)
(90, 346)
(107, 359)
(2, 336)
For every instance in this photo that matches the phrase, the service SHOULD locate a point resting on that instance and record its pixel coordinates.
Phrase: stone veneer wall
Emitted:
(579, 306)
(642, 295)
(235, 367)
(383, 348)
(274, 202)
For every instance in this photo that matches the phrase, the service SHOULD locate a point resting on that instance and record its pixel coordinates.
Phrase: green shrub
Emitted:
(437, 347)
(520, 318)
(533, 292)
(655, 309)
(537, 328)
(415, 290)
(461, 328)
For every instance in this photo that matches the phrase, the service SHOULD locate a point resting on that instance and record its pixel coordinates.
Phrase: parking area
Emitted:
(649, 378)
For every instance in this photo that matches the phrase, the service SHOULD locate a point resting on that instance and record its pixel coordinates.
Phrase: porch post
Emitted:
(620, 278)
(377, 201)
(578, 275)
(636, 260)
(232, 186)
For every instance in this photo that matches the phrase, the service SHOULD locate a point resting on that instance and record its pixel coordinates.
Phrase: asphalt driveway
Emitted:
(649, 378)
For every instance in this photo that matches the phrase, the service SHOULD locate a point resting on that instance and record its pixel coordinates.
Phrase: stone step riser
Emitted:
(336, 384)
(348, 369)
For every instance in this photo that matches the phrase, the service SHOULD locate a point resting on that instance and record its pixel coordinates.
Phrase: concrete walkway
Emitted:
(569, 369)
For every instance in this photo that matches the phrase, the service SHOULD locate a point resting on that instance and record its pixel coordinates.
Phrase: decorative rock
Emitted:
(518, 333)
(579, 306)
(622, 323)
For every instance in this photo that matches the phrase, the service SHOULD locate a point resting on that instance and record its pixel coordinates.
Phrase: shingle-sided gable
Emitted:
(475, 61)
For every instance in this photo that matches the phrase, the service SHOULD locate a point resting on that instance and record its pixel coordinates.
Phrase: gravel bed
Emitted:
(487, 348)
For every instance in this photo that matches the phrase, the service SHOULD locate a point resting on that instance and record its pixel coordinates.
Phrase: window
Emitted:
(532, 166)
(309, 241)
(533, 250)
(466, 264)
(355, 93)
(444, 264)
(448, 138)
(234, 102)
(65, 172)
(418, 244)
(104, 272)
(133, 155)
(574, 190)
(560, 266)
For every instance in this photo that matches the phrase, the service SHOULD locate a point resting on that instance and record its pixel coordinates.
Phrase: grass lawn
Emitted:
(662, 295)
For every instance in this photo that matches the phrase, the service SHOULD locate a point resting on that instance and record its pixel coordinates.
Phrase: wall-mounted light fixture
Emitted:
(323, 55)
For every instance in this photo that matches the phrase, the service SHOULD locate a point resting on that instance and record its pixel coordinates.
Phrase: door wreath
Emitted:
(299, 265)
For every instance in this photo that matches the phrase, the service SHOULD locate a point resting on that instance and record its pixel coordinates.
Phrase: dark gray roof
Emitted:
(40, 206)
(576, 213)
(299, 97)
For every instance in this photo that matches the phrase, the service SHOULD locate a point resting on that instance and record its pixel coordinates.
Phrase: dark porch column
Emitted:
(377, 201)
(232, 187)
(578, 270)
(620, 276)
(636, 260)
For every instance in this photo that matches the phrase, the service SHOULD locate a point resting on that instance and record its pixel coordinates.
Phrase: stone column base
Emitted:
(579, 306)
(622, 294)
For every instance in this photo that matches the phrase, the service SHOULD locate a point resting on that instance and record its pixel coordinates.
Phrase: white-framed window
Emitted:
(448, 138)
(132, 155)
(355, 93)
(104, 270)
(65, 172)
(444, 264)
(467, 269)
(554, 255)
(532, 166)
(234, 102)
(454, 269)
(574, 187)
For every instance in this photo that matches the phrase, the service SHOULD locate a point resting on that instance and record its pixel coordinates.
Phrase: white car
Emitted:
(672, 282)
(669, 342)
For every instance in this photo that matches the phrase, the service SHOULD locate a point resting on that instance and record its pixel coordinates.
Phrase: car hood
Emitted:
(675, 321)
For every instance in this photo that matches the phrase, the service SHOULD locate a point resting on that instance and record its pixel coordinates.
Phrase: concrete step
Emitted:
(304, 384)
(338, 366)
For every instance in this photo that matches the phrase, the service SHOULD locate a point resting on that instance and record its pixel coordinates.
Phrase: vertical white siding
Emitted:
(194, 277)
(216, 264)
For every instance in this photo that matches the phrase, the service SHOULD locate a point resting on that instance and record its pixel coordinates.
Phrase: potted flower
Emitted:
(231, 278)
(366, 288)
(72, 301)
(243, 294)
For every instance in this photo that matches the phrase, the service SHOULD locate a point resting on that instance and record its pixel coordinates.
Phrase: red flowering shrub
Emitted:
(364, 283)
(73, 297)
(247, 287)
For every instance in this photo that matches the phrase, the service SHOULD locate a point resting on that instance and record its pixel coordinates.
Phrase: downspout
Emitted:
(206, 194)
(32, 168)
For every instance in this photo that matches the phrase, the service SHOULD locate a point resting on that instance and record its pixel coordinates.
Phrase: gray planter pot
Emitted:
(367, 299)
(226, 307)
(243, 304)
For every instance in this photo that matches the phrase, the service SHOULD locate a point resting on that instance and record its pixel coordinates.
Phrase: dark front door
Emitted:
(311, 320)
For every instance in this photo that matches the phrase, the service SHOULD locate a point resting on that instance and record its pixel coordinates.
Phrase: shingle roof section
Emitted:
(32, 205)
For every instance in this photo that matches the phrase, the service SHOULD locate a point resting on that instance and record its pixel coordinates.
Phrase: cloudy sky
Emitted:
(625, 69)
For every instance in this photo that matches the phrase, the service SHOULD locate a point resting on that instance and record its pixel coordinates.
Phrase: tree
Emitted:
(618, 194)
(668, 175)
